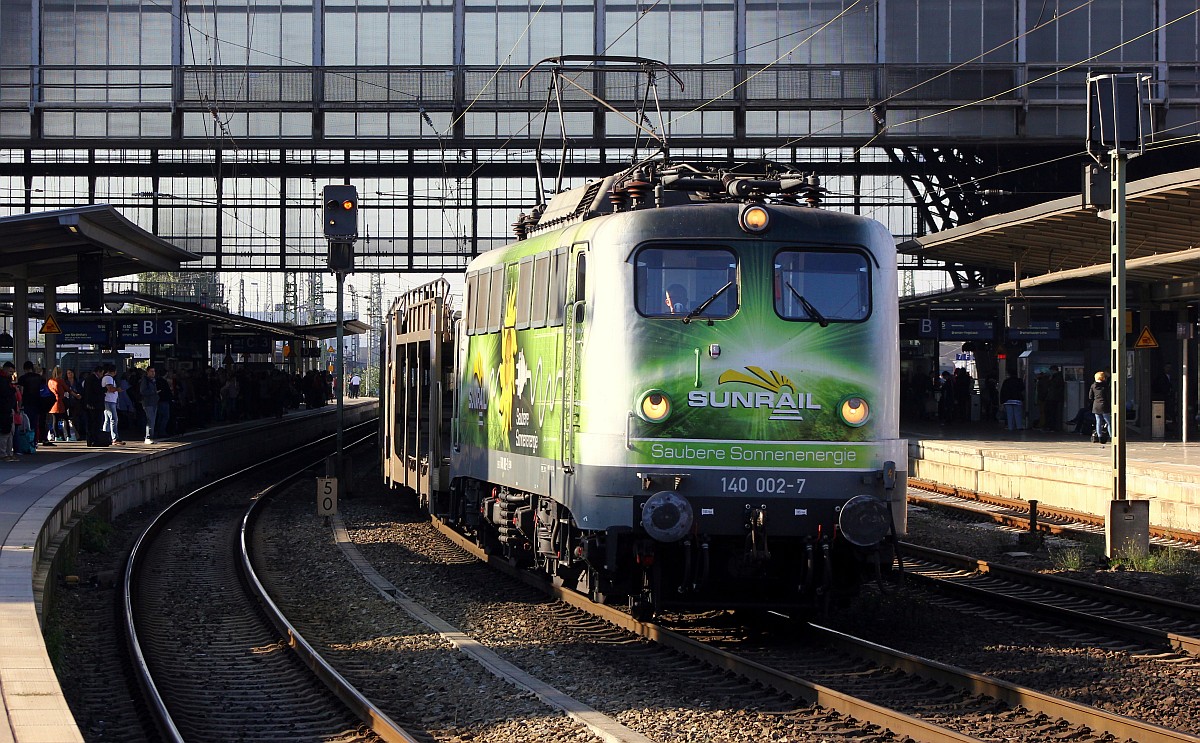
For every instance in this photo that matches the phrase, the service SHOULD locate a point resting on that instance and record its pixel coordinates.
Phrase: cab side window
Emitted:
(541, 290)
(558, 287)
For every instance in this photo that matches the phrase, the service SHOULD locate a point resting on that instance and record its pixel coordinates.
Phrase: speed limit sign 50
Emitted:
(327, 493)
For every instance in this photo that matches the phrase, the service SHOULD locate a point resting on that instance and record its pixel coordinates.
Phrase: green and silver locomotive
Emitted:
(677, 387)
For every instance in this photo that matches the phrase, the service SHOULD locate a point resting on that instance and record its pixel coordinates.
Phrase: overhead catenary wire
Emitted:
(769, 65)
(219, 42)
(1027, 83)
(874, 106)
(1039, 24)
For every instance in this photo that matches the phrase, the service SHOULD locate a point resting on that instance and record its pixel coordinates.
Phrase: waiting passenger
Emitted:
(1098, 395)
(8, 408)
(1012, 393)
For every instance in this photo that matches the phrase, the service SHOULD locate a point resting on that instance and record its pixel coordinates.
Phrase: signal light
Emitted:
(341, 212)
(91, 280)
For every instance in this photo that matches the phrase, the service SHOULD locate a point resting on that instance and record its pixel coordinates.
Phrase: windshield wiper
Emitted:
(704, 305)
(808, 307)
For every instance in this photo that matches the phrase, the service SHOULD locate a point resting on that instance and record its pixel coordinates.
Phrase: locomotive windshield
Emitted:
(822, 286)
(676, 282)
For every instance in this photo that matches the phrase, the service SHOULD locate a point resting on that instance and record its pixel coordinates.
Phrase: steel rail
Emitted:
(1121, 727)
(368, 711)
(157, 706)
(1101, 594)
(862, 710)
(1050, 519)
(1078, 714)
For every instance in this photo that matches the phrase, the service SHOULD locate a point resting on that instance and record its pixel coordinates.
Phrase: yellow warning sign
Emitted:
(50, 327)
(1145, 339)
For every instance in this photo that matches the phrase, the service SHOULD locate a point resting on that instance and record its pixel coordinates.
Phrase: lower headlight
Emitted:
(854, 411)
(655, 407)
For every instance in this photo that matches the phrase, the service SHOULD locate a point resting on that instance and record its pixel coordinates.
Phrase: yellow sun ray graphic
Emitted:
(508, 363)
(758, 377)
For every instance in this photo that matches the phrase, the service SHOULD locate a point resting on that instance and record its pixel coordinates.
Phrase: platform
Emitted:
(1060, 470)
(44, 495)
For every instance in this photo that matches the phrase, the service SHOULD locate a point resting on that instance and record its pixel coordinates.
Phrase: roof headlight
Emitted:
(655, 407)
(754, 218)
(854, 411)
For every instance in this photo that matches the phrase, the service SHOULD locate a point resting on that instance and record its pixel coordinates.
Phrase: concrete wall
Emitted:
(1077, 483)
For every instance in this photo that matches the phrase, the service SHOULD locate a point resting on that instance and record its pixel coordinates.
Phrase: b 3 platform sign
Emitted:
(147, 329)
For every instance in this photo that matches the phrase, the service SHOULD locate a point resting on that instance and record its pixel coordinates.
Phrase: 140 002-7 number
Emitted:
(762, 485)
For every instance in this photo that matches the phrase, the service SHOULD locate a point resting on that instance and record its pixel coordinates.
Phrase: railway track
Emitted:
(1149, 620)
(1031, 515)
(851, 684)
(214, 659)
(875, 689)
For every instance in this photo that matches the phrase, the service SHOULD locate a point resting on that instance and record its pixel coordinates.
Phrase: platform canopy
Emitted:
(42, 248)
(1063, 240)
(232, 324)
(327, 330)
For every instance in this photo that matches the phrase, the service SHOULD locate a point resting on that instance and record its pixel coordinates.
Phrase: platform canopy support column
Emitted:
(20, 330)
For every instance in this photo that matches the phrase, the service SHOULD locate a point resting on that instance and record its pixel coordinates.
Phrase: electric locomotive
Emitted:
(678, 386)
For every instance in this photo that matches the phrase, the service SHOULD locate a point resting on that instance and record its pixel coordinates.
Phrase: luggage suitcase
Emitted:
(25, 442)
(103, 438)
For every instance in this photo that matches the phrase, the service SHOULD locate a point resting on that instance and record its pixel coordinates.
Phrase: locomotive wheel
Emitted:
(597, 595)
(596, 588)
(486, 540)
(570, 577)
(641, 608)
(645, 605)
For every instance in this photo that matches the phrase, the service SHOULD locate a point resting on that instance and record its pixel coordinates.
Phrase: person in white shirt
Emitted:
(109, 383)
(355, 383)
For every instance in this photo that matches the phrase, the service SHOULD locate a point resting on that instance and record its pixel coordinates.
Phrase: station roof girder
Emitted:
(1063, 240)
(327, 330)
(238, 324)
(41, 248)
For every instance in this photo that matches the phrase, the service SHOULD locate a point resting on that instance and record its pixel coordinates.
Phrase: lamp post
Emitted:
(1115, 132)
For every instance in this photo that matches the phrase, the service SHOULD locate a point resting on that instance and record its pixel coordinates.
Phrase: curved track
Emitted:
(212, 666)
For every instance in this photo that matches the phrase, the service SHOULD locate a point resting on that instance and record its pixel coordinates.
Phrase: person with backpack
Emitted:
(93, 406)
(32, 389)
(1098, 395)
(56, 425)
(148, 387)
(111, 397)
(8, 409)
